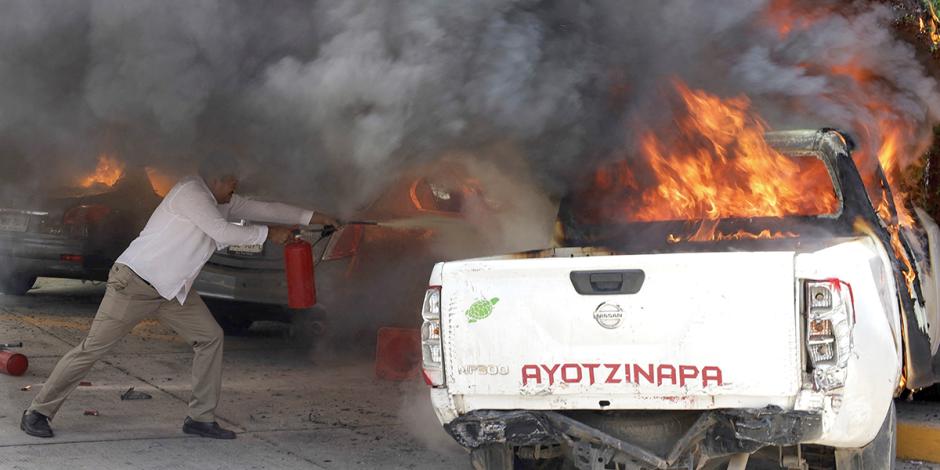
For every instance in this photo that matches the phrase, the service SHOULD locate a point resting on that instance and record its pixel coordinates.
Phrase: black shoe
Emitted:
(35, 424)
(212, 430)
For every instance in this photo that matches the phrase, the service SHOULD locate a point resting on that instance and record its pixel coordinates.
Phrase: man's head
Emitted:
(218, 171)
(223, 188)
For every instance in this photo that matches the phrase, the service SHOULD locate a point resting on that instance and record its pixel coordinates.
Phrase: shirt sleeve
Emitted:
(200, 208)
(273, 212)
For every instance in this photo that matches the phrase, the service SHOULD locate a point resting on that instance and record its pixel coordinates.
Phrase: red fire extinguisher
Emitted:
(298, 264)
(12, 363)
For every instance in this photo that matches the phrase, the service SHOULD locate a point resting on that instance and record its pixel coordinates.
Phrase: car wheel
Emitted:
(233, 326)
(493, 457)
(16, 284)
(308, 325)
(879, 454)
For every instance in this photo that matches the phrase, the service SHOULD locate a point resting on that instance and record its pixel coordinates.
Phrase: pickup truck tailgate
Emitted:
(690, 330)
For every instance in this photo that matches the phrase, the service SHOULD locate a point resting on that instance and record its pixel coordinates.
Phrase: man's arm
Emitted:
(200, 208)
(275, 212)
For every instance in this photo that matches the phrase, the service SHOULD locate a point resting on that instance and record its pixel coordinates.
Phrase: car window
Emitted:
(430, 196)
(624, 192)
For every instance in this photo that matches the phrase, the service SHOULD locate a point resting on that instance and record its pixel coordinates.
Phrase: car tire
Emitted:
(234, 326)
(493, 457)
(306, 326)
(17, 284)
(879, 454)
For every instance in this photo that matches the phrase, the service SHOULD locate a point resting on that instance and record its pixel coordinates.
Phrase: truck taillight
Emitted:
(431, 345)
(829, 310)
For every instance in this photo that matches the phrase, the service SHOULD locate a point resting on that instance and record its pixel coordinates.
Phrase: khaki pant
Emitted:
(127, 301)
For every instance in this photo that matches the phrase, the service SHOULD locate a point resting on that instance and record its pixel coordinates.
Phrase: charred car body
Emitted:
(79, 236)
(72, 236)
(354, 259)
(662, 351)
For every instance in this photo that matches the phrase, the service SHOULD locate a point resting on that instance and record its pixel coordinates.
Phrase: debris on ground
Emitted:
(26, 388)
(91, 412)
(132, 394)
(84, 383)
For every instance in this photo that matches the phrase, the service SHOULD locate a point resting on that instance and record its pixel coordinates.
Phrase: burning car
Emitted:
(355, 259)
(75, 235)
(679, 330)
(80, 235)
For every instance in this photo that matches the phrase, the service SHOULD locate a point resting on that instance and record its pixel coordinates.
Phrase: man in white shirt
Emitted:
(153, 277)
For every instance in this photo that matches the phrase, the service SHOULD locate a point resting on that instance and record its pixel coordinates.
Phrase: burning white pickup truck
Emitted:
(664, 344)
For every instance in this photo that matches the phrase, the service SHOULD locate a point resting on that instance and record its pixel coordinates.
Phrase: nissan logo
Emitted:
(608, 315)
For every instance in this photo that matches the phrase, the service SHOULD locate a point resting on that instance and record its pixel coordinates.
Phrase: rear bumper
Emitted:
(34, 254)
(715, 433)
(243, 285)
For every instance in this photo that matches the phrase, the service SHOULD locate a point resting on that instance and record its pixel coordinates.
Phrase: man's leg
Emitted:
(127, 300)
(196, 325)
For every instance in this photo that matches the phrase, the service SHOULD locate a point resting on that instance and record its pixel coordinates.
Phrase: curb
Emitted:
(919, 431)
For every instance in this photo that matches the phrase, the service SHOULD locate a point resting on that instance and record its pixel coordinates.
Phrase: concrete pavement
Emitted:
(290, 411)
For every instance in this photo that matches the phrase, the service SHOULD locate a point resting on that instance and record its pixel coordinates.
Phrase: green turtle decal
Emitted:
(481, 309)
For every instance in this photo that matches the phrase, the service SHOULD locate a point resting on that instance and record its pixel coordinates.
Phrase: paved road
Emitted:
(292, 410)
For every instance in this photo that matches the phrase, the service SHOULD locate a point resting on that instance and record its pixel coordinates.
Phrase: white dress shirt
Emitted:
(189, 225)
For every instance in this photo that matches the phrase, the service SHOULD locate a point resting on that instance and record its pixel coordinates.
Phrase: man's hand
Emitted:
(320, 218)
(279, 234)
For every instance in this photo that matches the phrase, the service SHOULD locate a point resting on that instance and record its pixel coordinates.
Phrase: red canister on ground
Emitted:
(13, 363)
(398, 353)
(298, 264)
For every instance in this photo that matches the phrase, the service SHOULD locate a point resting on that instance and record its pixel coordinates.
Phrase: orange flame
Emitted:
(892, 135)
(886, 138)
(784, 17)
(718, 165)
(910, 275)
(930, 28)
(715, 165)
(888, 156)
(894, 230)
(159, 181)
(714, 235)
(108, 172)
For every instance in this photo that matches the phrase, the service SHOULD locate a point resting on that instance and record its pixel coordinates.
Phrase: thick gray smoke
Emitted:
(325, 98)
(327, 101)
